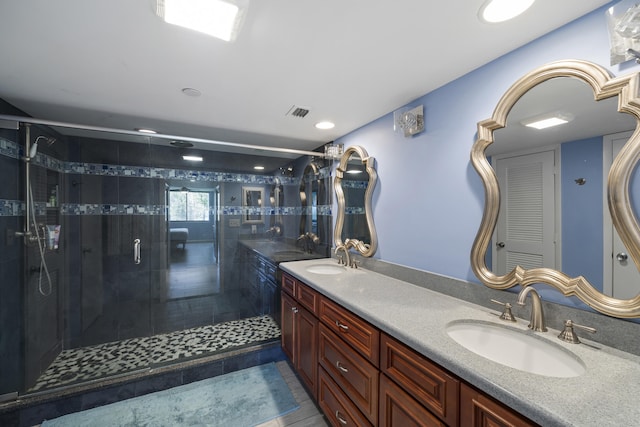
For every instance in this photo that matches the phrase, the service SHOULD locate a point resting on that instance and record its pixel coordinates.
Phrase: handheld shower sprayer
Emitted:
(34, 148)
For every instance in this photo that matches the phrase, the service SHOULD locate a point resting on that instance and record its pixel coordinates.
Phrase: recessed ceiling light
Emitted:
(258, 168)
(325, 125)
(213, 17)
(192, 158)
(494, 11)
(189, 91)
(546, 122)
(145, 130)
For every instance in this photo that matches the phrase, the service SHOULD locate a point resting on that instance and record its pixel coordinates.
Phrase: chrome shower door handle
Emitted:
(621, 256)
(136, 251)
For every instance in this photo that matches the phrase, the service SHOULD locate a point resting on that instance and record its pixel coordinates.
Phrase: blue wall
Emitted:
(582, 227)
(429, 200)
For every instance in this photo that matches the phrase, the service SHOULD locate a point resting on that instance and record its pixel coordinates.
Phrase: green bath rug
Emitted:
(239, 399)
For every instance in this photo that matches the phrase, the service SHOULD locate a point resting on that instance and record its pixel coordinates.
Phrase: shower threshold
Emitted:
(87, 364)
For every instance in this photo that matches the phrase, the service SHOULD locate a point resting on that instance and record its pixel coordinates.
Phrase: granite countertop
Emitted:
(606, 394)
(279, 251)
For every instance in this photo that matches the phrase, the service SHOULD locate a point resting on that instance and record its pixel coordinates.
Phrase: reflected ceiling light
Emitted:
(192, 158)
(145, 130)
(494, 11)
(258, 168)
(353, 171)
(546, 122)
(216, 18)
(325, 125)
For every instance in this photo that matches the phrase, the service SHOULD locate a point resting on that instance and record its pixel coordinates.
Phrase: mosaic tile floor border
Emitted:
(103, 360)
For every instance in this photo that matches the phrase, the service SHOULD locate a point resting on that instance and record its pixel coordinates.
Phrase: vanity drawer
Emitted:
(426, 382)
(397, 408)
(337, 407)
(307, 297)
(479, 410)
(362, 336)
(289, 284)
(352, 372)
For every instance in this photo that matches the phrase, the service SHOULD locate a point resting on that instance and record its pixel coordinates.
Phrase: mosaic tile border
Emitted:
(11, 149)
(16, 207)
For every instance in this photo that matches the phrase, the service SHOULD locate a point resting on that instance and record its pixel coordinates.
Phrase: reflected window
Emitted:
(188, 206)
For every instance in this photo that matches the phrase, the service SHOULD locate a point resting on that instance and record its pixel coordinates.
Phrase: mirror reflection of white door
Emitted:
(621, 276)
(525, 233)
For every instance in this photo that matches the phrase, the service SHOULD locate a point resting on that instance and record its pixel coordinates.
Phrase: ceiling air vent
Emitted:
(297, 111)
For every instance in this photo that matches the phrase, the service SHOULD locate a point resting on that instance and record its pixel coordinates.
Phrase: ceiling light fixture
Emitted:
(325, 125)
(493, 11)
(192, 158)
(259, 168)
(216, 18)
(145, 130)
(548, 121)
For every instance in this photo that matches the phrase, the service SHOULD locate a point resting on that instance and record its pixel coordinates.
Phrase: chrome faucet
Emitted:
(309, 241)
(347, 260)
(274, 231)
(537, 315)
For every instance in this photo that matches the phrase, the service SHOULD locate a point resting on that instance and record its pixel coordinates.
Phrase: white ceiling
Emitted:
(116, 64)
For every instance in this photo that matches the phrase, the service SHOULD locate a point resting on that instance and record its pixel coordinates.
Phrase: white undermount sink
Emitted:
(325, 269)
(516, 349)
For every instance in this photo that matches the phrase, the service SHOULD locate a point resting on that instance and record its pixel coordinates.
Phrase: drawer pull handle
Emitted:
(294, 309)
(340, 418)
(342, 326)
(341, 367)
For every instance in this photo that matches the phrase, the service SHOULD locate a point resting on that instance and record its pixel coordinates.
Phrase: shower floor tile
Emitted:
(99, 361)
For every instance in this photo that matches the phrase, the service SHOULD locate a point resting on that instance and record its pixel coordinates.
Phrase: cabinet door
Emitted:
(397, 408)
(287, 328)
(479, 410)
(306, 349)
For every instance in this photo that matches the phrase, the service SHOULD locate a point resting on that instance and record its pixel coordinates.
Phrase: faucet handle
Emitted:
(355, 263)
(506, 313)
(569, 335)
(340, 261)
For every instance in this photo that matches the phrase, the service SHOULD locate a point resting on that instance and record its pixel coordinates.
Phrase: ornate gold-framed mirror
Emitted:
(308, 192)
(602, 87)
(354, 183)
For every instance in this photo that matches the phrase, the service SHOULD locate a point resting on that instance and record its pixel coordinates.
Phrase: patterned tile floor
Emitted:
(99, 361)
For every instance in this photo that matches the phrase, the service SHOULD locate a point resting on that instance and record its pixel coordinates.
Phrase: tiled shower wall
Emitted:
(10, 266)
(103, 203)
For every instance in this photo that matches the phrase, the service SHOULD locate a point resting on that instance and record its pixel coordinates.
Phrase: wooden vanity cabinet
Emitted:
(299, 330)
(360, 376)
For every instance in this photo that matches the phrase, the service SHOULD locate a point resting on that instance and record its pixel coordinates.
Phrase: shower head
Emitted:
(34, 148)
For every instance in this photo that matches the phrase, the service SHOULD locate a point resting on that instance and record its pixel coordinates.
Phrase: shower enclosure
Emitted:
(94, 283)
